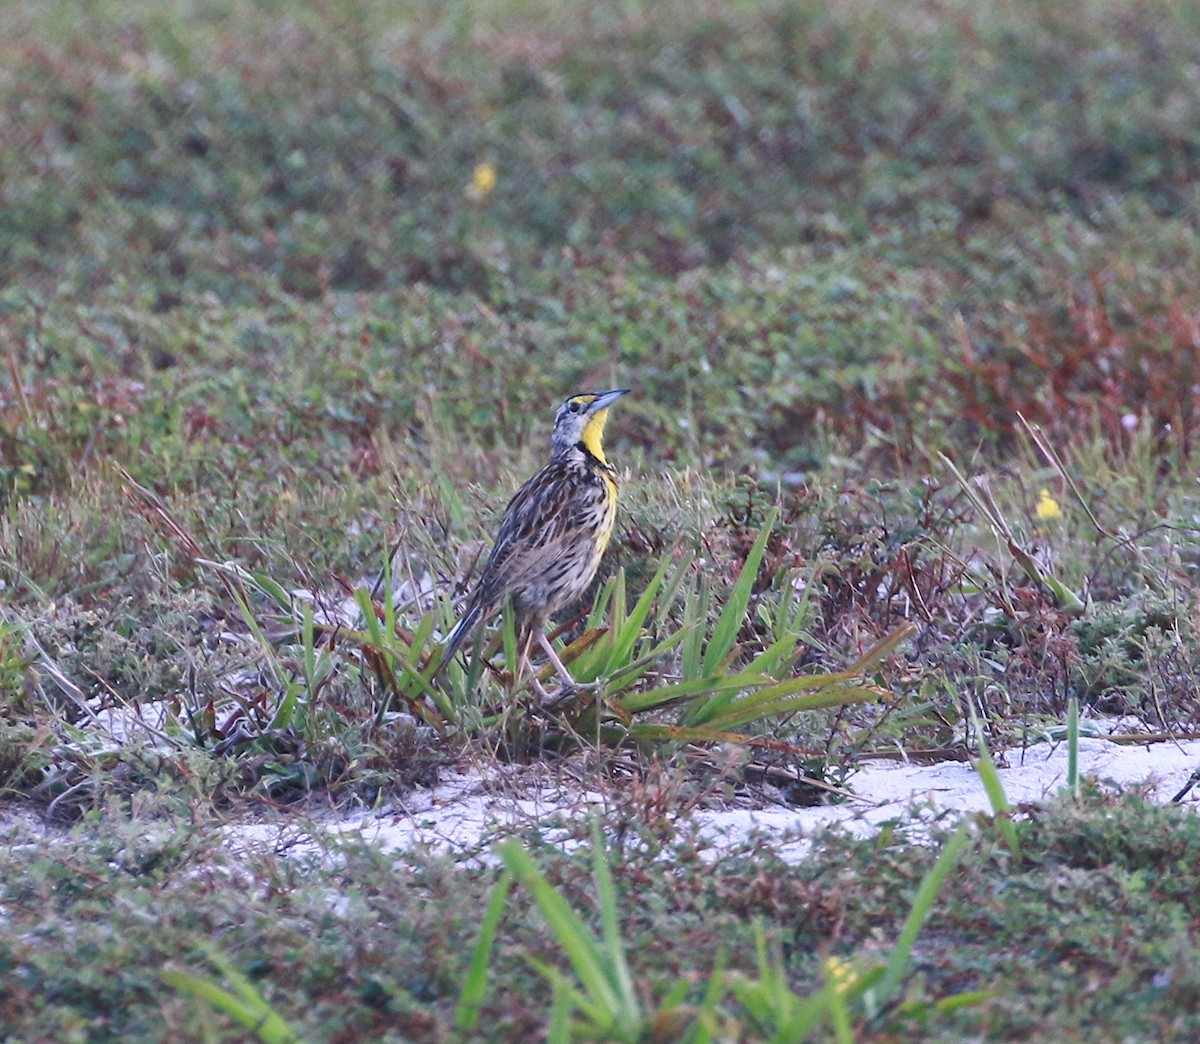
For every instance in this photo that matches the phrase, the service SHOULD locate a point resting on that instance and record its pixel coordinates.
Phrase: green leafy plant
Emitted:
(603, 992)
(241, 1002)
(600, 1000)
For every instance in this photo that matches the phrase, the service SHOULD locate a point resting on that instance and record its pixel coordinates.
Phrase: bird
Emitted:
(554, 533)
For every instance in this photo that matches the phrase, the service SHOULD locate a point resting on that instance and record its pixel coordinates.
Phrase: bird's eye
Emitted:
(574, 407)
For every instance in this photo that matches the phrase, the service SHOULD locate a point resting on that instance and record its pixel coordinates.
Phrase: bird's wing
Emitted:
(540, 524)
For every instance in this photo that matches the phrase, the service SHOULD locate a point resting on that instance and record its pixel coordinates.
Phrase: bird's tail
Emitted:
(459, 634)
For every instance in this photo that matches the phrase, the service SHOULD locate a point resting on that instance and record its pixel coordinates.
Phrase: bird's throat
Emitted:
(592, 436)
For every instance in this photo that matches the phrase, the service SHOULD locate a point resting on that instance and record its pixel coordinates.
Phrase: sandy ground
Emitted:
(465, 813)
(470, 810)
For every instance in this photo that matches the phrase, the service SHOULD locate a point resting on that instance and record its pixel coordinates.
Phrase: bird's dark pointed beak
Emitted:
(606, 399)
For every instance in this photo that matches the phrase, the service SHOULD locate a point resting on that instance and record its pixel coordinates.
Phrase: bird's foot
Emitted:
(566, 692)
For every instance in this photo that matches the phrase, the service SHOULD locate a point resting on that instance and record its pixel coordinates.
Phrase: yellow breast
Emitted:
(604, 533)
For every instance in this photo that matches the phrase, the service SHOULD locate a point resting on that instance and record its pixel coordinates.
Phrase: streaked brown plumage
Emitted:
(554, 533)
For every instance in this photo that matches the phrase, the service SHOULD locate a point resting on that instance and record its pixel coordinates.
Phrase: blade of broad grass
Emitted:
(691, 655)
(403, 679)
(599, 615)
(730, 621)
(244, 1004)
(389, 598)
(273, 590)
(770, 1001)
(559, 1031)
(726, 706)
(670, 590)
(949, 1005)
(839, 1014)
(634, 669)
(606, 899)
(677, 692)
(726, 711)
(994, 788)
(233, 578)
(1073, 746)
(631, 627)
(595, 1013)
(308, 645)
(366, 606)
(683, 734)
(787, 627)
(931, 884)
(587, 659)
(508, 632)
(470, 999)
(614, 652)
(792, 622)
(702, 1029)
(585, 954)
(757, 708)
(778, 655)
(616, 610)
(883, 648)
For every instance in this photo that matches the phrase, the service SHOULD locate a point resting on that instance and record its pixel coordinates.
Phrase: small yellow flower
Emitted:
(1047, 507)
(839, 974)
(483, 181)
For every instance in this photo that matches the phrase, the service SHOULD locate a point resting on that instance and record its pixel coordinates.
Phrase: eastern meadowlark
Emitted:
(554, 533)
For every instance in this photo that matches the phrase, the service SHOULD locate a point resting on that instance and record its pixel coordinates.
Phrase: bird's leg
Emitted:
(563, 673)
(523, 665)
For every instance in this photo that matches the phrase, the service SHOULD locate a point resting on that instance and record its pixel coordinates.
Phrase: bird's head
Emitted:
(580, 422)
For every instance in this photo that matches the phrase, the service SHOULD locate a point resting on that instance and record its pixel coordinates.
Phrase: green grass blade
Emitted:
(389, 598)
(508, 631)
(366, 606)
(559, 1031)
(725, 710)
(728, 706)
(930, 885)
(244, 1004)
(666, 695)
(683, 734)
(273, 590)
(631, 1011)
(882, 649)
(599, 616)
(586, 956)
(702, 1030)
(421, 637)
(968, 999)
(730, 620)
(777, 655)
(634, 669)
(691, 657)
(756, 708)
(631, 627)
(1073, 746)
(616, 614)
(994, 788)
(839, 1015)
(470, 999)
(615, 650)
(308, 645)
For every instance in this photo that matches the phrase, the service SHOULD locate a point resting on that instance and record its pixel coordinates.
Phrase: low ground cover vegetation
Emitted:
(288, 296)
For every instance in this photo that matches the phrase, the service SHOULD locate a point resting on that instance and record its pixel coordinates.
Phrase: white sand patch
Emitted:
(463, 815)
(889, 792)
